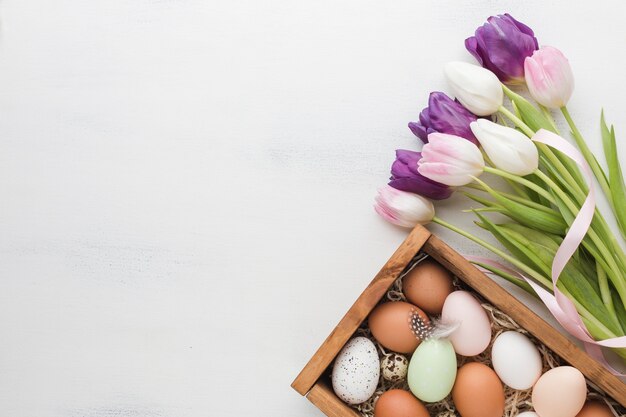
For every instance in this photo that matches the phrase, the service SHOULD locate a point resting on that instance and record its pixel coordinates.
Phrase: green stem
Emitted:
(574, 184)
(518, 122)
(597, 223)
(519, 190)
(605, 291)
(617, 280)
(600, 333)
(614, 270)
(591, 159)
(520, 180)
(486, 210)
(548, 115)
(515, 198)
(534, 274)
(512, 279)
(601, 330)
(602, 180)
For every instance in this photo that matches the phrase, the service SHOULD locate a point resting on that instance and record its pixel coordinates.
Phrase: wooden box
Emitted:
(312, 383)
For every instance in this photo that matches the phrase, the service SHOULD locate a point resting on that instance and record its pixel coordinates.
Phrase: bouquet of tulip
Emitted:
(562, 248)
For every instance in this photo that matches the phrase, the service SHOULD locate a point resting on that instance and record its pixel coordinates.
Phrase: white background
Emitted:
(186, 186)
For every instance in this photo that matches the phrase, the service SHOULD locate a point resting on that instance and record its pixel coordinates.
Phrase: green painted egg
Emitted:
(432, 370)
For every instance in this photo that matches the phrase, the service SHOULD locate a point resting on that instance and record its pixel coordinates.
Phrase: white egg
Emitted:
(394, 367)
(356, 371)
(528, 414)
(516, 360)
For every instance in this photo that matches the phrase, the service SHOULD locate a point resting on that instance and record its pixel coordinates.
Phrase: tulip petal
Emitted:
(405, 177)
(549, 77)
(450, 160)
(419, 130)
(402, 208)
(476, 88)
(445, 173)
(449, 116)
(424, 186)
(507, 148)
(444, 115)
(501, 45)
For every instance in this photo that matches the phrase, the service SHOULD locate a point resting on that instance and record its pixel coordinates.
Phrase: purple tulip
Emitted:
(404, 177)
(443, 115)
(501, 45)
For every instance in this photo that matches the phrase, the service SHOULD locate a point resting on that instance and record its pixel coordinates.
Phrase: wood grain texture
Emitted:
(325, 399)
(549, 336)
(360, 310)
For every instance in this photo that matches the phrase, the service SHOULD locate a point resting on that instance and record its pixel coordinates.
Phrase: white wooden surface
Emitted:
(186, 185)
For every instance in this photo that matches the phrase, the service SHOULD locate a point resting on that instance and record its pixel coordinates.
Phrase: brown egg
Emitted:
(595, 408)
(427, 286)
(399, 403)
(478, 392)
(389, 323)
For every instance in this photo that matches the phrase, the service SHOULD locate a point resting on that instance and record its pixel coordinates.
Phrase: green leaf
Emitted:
(511, 278)
(517, 250)
(619, 308)
(538, 219)
(616, 178)
(540, 261)
(563, 209)
(546, 239)
(532, 116)
(481, 200)
(536, 180)
(588, 243)
(582, 257)
(541, 250)
(591, 246)
(558, 178)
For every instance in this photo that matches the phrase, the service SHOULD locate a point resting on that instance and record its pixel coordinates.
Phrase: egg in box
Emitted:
(516, 360)
(427, 285)
(458, 325)
(478, 392)
(394, 367)
(399, 403)
(389, 323)
(356, 371)
(595, 408)
(474, 332)
(560, 392)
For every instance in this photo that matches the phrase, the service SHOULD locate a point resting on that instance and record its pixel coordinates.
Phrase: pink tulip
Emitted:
(450, 160)
(403, 208)
(549, 77)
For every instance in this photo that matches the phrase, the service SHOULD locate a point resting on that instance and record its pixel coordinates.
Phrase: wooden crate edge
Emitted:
(323, 397)
(360, 310)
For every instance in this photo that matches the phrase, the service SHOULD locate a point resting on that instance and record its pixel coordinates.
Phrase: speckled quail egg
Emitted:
(394, 367)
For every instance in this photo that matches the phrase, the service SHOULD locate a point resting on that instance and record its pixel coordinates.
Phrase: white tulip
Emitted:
(477, 88)
(403, 208)
(507, 148)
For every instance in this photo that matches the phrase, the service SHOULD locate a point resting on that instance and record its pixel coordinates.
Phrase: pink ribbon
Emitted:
(561, 307)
